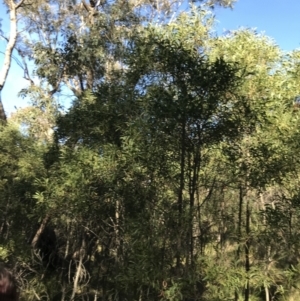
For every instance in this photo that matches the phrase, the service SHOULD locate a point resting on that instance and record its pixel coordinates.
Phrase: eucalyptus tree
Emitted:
(13, 8)
(49, 23)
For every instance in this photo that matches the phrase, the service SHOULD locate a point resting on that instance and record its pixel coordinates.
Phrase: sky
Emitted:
(278, 19)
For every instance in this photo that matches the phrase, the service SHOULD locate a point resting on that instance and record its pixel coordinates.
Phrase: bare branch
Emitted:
(19, 4)
(40, 231)
(86, 6)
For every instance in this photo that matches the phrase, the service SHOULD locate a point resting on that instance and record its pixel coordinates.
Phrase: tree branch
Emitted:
(19, 4)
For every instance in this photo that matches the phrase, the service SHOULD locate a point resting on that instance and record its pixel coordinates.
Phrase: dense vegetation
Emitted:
(175, 173)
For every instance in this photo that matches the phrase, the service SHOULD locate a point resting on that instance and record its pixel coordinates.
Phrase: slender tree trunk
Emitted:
(40, 231)
(117, 228)
(79, 270)
(267, 293)
(241, 198)
(9, 50)
(248, 213)
(247, 251)
(223, 226)
(180, 193)
(2, 112)
(194, 174)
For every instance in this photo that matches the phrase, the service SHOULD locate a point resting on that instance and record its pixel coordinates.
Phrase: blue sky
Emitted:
(278, 19)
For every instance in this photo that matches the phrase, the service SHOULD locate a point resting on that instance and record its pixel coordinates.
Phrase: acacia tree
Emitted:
(128, 120)
(253, 164)
(120, 196)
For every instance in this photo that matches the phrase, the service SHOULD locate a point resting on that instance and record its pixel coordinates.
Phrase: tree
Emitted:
(258, 156)
(11, 42)
(173, 176)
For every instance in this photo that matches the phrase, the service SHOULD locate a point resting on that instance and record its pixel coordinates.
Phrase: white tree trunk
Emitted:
(9, 49)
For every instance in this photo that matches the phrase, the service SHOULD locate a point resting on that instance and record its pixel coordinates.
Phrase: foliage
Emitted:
(173, 175)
